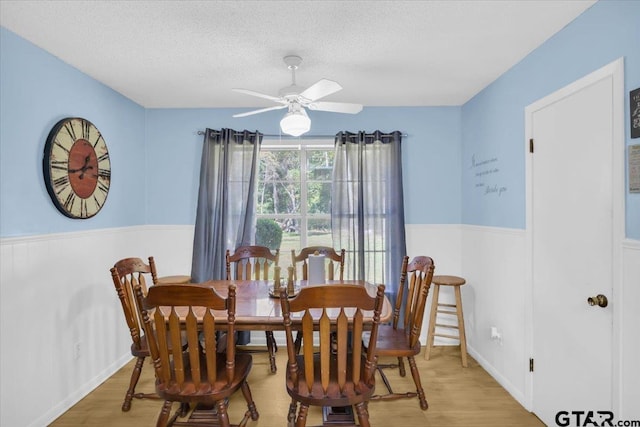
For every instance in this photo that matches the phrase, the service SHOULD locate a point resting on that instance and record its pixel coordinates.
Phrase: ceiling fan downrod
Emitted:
(292, 62)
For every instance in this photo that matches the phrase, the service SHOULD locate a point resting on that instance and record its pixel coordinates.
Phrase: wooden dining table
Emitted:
(258, 307)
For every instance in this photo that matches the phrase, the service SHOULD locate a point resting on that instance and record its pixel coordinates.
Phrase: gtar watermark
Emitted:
(592, 419)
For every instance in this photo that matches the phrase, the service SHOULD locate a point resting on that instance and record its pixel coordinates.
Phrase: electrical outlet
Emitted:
(494, 333)
(76, 351)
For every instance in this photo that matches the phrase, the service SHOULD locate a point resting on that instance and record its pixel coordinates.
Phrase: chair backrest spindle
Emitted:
(334, 261)
(251, 262)
(126, 275)
(416, 277)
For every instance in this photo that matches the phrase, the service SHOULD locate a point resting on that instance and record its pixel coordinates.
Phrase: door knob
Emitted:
(599, 300)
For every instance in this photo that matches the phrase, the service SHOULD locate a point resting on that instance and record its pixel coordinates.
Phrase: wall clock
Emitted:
(77, 169)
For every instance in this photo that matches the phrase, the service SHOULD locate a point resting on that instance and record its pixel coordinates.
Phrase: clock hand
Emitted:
(84, 167)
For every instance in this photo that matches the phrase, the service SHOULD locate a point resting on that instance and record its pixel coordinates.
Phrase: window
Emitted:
(294, 192)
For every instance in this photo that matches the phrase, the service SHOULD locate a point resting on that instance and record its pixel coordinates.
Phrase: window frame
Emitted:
(303, 146)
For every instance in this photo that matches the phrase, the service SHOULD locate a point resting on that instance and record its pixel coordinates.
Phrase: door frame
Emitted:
(615, 70)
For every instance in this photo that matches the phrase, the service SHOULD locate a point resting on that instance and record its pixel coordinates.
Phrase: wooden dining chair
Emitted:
(126, 274)
(254, 263)
(340, 376)
(197, 375)
(402, 340)
(334, 262)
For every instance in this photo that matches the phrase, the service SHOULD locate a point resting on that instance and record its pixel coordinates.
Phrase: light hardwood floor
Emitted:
(457, 396)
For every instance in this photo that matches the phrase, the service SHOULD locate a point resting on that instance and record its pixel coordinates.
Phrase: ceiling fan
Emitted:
(296, 99)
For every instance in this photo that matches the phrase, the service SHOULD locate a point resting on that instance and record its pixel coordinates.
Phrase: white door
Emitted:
(571, 231)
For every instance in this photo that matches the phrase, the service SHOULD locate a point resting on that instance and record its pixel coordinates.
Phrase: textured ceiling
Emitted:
(189, 54)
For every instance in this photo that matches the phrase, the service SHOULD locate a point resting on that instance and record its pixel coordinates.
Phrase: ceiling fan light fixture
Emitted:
(295, 122)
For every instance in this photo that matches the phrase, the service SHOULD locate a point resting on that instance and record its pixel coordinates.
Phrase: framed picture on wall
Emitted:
(634, 111)
(634, 168)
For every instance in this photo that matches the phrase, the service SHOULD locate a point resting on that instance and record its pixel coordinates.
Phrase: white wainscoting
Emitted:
(60, 315)
(493, 261)
(630, 332)
(61, 322)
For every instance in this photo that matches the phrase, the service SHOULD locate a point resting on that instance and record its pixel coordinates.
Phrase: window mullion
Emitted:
(303, 197)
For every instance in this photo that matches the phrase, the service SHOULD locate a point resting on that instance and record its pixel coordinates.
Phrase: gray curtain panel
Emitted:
(225, 216)
(367, 209)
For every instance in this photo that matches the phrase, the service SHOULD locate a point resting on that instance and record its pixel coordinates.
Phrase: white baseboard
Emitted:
(504, 382)
(86, 388)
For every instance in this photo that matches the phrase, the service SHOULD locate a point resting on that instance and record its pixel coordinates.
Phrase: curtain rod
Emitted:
(201, 132)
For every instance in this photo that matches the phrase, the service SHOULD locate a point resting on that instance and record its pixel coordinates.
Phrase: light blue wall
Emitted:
(155, 153)
(36, 91)
(431, 154)
(493, 121)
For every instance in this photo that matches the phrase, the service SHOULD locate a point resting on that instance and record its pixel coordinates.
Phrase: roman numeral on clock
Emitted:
(86, 128)
(83, 208)
(61, 182)
(68, 203)
(98, 139)
(98, 202)
(59, 144)
(69, 128)
(103, 188)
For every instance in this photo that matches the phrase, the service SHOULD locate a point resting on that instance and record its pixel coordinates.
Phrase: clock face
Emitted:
(77, 169)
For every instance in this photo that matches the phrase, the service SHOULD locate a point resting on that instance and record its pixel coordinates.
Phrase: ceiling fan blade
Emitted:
(258, 94)
(320, 89)
(262, 110)
(336, 107)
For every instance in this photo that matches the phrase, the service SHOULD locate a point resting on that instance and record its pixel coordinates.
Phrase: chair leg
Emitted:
(184, 410)
(291, 417)
(385, 380)
(363, 414)
(272, 347)
(163, 418)
(246, 391)
(223, 416)
(391, 395)
(403, 372)
(301, 421)
(461, 331)
(432, 321)
(135, 376)
(416, 379)
(298, 342)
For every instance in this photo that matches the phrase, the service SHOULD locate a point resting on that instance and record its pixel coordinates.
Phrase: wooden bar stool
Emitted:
(447, 309)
